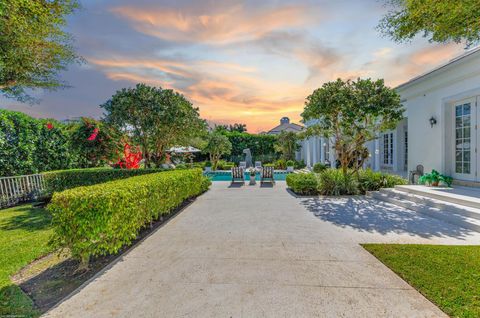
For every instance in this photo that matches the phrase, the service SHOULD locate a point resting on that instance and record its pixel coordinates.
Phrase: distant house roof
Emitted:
(285, 125)
(440, 67)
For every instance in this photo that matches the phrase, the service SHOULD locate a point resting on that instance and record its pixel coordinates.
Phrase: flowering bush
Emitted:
(131, 159)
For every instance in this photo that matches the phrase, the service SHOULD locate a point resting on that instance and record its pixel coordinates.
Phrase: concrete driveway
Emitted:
(260, 252)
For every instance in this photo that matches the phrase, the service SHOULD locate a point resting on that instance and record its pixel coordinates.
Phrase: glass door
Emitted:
(465, 144)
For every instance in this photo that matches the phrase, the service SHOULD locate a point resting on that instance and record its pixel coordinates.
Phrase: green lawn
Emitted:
(449, 276)
(24, 235)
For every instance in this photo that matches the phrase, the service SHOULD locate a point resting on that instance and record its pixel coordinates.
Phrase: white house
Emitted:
(439, 130)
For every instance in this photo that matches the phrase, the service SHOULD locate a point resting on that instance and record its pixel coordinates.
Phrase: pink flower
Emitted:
(93, 136)
(49, 126)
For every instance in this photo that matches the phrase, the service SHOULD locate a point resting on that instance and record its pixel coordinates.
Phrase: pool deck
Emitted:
(251, 251)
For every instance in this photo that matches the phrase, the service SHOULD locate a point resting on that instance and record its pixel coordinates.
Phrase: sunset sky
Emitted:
(251, 62)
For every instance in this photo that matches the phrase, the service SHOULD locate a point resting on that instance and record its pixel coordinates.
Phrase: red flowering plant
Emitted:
(94, 142)
(131, 158)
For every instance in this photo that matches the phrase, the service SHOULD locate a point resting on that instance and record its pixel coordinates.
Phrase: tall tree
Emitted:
(34, 48)
(155, 118)
(440, 21)
(216, 145)
(353, 113)
(287, 144)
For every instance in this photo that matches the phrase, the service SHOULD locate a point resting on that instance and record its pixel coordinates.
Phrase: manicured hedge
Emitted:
(100, 219)
(303, 183)
(57, 181)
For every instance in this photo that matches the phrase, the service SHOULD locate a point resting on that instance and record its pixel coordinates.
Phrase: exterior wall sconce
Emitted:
(433, 121)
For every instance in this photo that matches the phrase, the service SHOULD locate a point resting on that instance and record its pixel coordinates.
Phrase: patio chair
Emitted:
(242, 164)
(417, 172)
(238, 175)
(267, 175)
(258, 165)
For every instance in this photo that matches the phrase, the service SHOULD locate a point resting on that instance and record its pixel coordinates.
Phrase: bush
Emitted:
(101, 219)
(269, 165)
(290, 163)
(228, 166)
(181, 166)
(369, 180)
(57, 181)
(280, 164)
(29, 145)
(224, 165)
(299, 164)
(319, 167)
(208, 163)
(334, 182)
(303, 183)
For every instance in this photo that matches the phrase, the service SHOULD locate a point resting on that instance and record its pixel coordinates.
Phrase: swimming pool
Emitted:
(227, 176)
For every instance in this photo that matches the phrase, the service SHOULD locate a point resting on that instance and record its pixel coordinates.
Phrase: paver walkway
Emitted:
(260, 252)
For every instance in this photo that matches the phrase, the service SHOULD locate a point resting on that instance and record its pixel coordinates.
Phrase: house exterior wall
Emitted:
(431, 95)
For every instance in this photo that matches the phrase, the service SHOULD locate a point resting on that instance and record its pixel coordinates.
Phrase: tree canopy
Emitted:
(34, 48)
(440, 21)
(155, 118)
(287, 144)
(353, 113)
(216, 145)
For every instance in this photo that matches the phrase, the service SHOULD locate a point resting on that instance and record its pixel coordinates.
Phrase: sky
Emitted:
(249, 62)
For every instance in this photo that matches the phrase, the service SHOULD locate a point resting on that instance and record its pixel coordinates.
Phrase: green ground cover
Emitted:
(449, 276)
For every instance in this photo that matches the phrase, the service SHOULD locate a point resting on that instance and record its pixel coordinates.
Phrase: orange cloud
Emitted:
(231, 24)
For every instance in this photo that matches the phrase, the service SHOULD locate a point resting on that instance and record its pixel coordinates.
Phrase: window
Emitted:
(463, 145)
(388, 149)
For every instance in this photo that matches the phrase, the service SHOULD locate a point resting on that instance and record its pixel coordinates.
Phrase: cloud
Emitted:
(213, 24)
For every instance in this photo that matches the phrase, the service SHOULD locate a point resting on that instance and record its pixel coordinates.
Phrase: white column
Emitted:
(333, 156)
(322, 150)
(315, 155)
(376, 166)
(307, 153)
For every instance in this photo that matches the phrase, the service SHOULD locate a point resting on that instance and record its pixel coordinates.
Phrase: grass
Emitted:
(24, 234)
(449, 276)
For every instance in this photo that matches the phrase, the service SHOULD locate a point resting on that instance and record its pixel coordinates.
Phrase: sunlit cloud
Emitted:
(237, 60)
(216, 24)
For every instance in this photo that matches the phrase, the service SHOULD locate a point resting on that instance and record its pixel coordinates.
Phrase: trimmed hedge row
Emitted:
(100, 219)
(302, 183)
(332, 182)
(60, 180)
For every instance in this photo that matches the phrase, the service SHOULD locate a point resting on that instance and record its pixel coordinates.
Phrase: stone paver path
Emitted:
(260, 252)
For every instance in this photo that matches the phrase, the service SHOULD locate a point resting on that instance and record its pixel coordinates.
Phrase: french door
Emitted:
(465, 116)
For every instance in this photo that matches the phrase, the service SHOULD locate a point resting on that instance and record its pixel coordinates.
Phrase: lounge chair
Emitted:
(238, 174)
(267, 175)
(242, 164)
(258, 165)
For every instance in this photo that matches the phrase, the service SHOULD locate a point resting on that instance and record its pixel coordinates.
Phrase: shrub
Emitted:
(319, 167)
(181, 166)
(101, 219)
(228, 166)
(334, 182)
(57, 181)
(208, 163)
(373, 181)
(290, 163)
(303, 183)
(280, 164)
(299, 164)
(269, 165)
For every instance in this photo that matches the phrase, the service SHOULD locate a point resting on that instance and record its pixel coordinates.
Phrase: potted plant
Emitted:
(290, 165)
(252, 172)
(208, 166)
(434, 178)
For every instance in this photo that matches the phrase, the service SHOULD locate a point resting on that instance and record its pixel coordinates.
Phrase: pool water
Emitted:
(227, 176)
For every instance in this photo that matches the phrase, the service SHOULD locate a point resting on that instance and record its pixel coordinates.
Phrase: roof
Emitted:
(442, 66)
(285, 127)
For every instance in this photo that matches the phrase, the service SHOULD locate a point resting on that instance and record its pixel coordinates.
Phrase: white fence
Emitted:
(14, 190)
